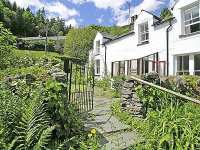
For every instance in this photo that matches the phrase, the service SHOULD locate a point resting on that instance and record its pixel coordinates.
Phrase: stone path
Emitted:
(115, 135)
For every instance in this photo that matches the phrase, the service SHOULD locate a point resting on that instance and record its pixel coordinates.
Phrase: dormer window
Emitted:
(98, 47)
(143, 33)
(191, 20)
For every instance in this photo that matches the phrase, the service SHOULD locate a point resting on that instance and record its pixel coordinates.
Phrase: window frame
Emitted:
(97, 67)
(144, 33)
(191, 21)
(182, 71)
(98, 47)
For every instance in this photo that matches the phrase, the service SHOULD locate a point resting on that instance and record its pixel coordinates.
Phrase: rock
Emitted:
(128, 84)
(8, 79)
(30, 78)
(129, 100)
(152, 77)
(60, 77)
(54, 70)
(19, 77)
(126, 96)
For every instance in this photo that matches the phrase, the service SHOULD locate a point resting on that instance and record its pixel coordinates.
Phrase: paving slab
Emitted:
(115, 135)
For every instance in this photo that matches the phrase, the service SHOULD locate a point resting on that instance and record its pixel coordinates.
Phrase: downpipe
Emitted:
(167, 38)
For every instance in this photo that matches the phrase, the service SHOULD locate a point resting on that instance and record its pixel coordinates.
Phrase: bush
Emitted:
(6, 47)
(104, 83)
(117, 85)
(37, 45)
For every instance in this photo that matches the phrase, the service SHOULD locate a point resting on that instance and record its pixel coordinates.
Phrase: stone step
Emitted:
(106, 124)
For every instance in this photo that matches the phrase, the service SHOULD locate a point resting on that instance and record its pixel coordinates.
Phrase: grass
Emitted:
(100, 93)
(35, 54)
(36, 70)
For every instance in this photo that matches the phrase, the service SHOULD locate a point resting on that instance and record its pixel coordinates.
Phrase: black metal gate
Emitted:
(80, 84)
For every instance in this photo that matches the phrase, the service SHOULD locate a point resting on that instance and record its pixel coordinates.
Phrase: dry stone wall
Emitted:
(129, 100)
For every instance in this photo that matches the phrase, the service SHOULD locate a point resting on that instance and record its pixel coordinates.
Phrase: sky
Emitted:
(80, 13)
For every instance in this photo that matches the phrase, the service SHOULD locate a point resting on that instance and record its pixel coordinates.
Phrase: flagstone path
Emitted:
(115, 135)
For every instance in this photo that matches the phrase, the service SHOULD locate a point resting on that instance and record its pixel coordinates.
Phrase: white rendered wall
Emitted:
(127, 48)
(186, 45)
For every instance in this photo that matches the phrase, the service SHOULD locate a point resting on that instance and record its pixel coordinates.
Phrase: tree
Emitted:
(29, 24)
(166, 14)
(6, 46)
(79, 42)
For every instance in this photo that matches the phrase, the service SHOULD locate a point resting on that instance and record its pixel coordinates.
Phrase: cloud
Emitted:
(149, 5)
(27, 3)
(53, 9)
(72, 22)
(77, 1)
(61, 10)
(121, 16)
(100, 19)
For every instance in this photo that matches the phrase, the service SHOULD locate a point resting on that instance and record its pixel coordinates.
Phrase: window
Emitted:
(197, 64)
(118, 68)
(143, 33)
(115, 68)
(192, 20)
(97, 67)
(132, 67)
(183, 65)
(122, 67)
(98, 47)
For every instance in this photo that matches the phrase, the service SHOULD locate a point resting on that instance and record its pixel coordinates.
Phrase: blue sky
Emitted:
(100, 12)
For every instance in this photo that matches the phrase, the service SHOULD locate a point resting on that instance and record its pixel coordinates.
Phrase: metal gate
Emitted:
(80, 84)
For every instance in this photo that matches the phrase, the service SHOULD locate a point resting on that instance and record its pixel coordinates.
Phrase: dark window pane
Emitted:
(186, 63)
(197, 73)
(195, 27)
(179, 63)
(197, 62)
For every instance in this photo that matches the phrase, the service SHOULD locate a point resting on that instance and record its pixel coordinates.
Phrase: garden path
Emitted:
(114, 134)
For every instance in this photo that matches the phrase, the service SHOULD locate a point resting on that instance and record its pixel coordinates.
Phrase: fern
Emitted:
(33, 127)
(44, 138)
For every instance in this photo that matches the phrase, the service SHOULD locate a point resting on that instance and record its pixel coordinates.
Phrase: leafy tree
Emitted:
(6, 46)
(166, 14)
(79, 42)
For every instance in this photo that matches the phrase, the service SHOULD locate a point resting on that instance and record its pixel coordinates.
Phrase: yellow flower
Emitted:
(93, 131)
(90, 135)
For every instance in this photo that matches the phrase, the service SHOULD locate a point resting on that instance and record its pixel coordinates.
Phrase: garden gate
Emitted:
(80, 84)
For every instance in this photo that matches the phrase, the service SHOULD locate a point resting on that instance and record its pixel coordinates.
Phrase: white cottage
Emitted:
(169, 47)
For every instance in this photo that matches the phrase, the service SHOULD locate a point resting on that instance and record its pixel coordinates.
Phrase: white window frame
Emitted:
(97, 67)
(188, 23)
(145, 32)
(182, 71)
(98, 46)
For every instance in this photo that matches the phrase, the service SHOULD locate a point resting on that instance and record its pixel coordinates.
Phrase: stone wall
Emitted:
(129, 100)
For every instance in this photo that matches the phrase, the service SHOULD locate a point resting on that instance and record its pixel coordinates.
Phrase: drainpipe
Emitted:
(105, 62)
(167, 35)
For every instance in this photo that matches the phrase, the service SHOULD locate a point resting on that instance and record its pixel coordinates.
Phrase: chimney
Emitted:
(133, 19)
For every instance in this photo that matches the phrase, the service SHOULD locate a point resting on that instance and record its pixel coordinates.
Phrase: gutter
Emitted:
(167, 38)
